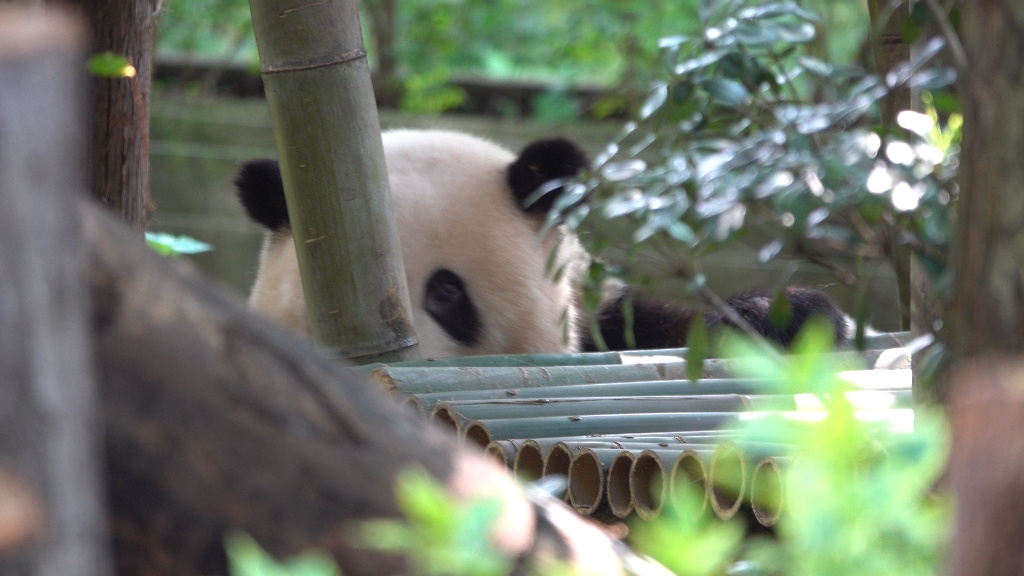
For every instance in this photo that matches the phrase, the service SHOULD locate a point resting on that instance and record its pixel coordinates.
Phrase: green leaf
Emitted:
(110, 65)
(697, 347)
(247, 558)
(173, 246)
(726, 92)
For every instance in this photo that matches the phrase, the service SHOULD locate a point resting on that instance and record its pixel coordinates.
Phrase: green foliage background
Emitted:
(608, 43)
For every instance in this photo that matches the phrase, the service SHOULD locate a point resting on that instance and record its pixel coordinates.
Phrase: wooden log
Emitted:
(52, 516)
(217, 419)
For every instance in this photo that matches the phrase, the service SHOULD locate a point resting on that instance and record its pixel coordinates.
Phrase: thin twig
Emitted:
(952, 40)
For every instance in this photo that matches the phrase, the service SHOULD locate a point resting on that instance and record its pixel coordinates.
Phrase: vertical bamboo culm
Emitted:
(325, 123)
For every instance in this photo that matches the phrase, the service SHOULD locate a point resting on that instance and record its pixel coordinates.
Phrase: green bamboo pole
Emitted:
(648, 484)
(504, 409)
(528, 464)
(419, 380)
(727, 480)
(587, 479)
(756, 392)
(484, 431)
(708, 387)
(327, 132)
(620, 494)
(504, 451)
(768, 490)
(689, 469)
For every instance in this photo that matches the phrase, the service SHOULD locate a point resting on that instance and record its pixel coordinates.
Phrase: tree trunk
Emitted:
(987, 310)
(218, 420)
(383, 23)
(52, 515)
(119, 140)
(985, 468)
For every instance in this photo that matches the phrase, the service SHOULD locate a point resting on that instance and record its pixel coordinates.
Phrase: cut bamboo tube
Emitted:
(447, 417)
(717, 386)
(535, 408)
(447, 379)
(529, 461)
(414, 404)
(586, 479)
(727, 480)
(873, 342)
(688, 470)
(557, 460)
(504, 451)
(620, 493)
(484, 431)
(648, 483)
(767, 491)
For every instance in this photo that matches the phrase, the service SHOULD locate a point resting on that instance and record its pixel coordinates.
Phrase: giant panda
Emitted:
(474, 261)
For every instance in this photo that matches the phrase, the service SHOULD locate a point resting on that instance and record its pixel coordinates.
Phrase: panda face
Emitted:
(473, 260)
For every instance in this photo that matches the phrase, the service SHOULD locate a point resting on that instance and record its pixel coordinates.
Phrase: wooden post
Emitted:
(332, 163)
(52, 516)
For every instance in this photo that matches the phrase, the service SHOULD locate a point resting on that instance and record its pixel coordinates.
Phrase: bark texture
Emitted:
(986, 468)
(52, 515)
(987, 310)
(119, 140)
(216, 420)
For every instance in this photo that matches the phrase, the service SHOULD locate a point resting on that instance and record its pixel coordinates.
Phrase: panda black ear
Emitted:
(261, 193)
(540, 162)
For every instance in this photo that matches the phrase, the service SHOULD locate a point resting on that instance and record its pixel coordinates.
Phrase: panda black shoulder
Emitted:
(261, 192)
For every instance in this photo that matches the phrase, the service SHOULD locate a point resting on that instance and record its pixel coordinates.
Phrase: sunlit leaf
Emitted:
(110, 65)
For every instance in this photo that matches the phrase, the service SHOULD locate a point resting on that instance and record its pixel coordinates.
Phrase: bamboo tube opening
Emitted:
(620, 498)
(728, 478)
(413, 403)
(586, 482)
(496, 450)
(529, 463)
(647, 483)
(767, 492)
(688, 470)
(557, 460)
(446, 416)
(477, 433)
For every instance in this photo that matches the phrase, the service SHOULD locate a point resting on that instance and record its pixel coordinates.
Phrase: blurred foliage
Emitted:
(748, 138)
(611, 43)
(170, 245)
(110, 65)
(247, 558)
(440, 536)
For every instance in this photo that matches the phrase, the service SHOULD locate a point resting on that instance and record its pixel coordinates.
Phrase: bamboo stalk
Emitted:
(447, 417)
(414, 404)
(648, 484)
(619, 485)
(504, 451)
(325, 123)
(727, 480)
(587, 479)
(708, 387)
(688, 469)
(419, 380)
(557, 461)
(484, 431)
(767, 491)
(504, 409)
(528, 464)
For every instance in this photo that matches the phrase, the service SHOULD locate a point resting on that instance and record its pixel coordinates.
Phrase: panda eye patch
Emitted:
(447, 301)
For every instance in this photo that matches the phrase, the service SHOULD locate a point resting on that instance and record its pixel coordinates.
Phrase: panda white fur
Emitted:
(473, 258)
